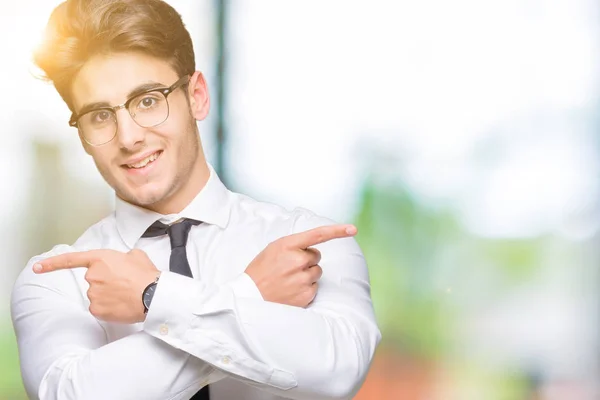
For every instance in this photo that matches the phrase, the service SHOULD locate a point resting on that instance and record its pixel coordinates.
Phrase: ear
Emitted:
(198, 95)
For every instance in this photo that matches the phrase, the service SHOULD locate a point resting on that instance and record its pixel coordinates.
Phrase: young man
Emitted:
(186, 283)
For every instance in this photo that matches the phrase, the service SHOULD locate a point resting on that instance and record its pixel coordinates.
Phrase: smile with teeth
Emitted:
(145, 161)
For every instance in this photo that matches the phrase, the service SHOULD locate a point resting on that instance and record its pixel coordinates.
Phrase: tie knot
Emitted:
(178, 231)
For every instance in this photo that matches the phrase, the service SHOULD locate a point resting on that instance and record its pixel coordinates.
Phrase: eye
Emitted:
(100, 116)
(147, 102)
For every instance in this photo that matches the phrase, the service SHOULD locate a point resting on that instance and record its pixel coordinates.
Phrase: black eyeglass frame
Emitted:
(73, 121)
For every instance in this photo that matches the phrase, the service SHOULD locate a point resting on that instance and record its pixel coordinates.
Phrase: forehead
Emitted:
(110, 78)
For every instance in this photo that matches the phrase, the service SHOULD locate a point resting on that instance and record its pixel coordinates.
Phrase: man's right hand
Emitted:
(287, 271)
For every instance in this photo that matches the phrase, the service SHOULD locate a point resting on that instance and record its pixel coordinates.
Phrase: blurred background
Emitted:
(461, 137)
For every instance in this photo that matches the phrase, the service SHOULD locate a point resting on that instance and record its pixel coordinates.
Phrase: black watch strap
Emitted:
(148, 294)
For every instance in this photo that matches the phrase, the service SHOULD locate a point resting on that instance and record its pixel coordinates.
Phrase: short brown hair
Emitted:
(80, 29)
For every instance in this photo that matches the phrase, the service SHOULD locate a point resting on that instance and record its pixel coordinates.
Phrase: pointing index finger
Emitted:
(65, 261)
(321, 234)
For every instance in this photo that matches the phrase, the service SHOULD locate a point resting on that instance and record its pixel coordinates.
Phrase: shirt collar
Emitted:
(211, 205)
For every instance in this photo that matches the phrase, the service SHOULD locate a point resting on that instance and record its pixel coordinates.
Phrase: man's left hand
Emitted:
(117, 280)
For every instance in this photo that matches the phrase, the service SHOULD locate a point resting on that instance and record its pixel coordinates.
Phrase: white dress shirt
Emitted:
(213, 327)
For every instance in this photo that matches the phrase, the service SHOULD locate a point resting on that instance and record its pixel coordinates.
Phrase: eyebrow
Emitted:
(144, 87)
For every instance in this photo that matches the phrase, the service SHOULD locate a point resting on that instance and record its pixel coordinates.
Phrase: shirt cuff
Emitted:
(172, 307)
(244, 287)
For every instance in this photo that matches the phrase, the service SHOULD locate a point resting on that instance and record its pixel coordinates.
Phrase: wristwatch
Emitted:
(148, 294)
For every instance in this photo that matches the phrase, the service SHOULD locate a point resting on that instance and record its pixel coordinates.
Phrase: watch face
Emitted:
(148, 295)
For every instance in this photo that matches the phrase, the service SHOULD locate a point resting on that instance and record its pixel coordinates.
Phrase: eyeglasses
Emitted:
(148, 109)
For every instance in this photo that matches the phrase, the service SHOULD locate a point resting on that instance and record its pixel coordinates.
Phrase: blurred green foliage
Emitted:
(11, 387)
(414, 251)
(427, 271)
(402, 242)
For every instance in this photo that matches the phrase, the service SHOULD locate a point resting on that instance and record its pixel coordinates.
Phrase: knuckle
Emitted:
(307, 280)
(317, 254)
(314, 255)
(309, 294)
(313, 292)
(91, 275)
(295, 259)
(299, 259)
(94, 310)
(302, 300)
(318, 271)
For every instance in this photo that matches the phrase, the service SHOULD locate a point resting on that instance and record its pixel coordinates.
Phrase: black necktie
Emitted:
(178, 262)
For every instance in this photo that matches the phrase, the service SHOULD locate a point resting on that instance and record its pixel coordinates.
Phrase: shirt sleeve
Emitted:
(244, 287)
(321, 352)
(64, 353)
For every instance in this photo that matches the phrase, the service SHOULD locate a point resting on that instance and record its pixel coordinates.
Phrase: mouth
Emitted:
(144, 163)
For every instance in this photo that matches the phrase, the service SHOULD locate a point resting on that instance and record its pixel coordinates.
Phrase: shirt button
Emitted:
(164, 329)
(226, 360)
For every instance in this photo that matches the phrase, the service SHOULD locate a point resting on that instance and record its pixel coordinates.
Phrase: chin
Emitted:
(144, 197)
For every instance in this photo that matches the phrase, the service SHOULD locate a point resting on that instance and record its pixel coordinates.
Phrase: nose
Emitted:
(129, 134)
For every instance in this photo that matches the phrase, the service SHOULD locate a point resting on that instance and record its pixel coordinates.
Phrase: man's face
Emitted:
(173, 147)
